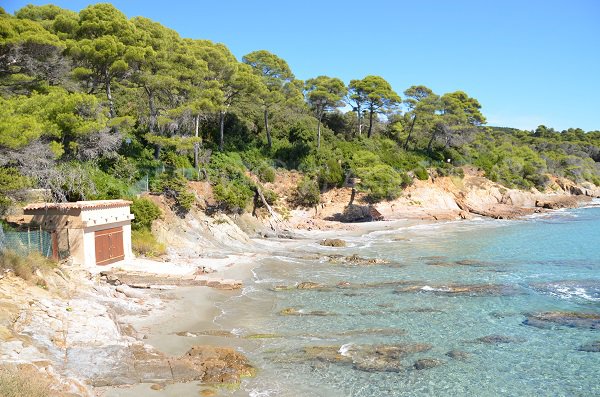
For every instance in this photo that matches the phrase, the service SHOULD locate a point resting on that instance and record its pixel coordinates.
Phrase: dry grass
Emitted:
(24, 381)
(25, 266)
(144, 243)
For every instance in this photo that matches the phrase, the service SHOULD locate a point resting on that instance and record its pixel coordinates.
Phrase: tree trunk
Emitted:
(196, 144)
(412, 125)
(319, 131)
(221, 129)
(370, 123)
(269, 140)
(157, 149)
(111, 105)
(430, 144)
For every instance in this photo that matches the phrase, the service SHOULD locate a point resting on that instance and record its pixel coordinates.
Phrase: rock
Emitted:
(129, 292)
(355, 260)
(458, 355)
(558, 202)
(591, 347)
(290, 311)
(333, 242)
(309, 285)
(358, 213)
(219, 364)
(567, 319)
(157, 386)
(496, 339)
(464, 289)
(427, 363)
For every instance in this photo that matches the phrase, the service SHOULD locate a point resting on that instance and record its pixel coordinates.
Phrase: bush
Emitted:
(233, 196)
(381, 182)
(24, 381)
(174, 186)
(144, 243)
(145, 212)
(421, 173)
(265, 173)
(307, 192)
(25, 266)
(332, 173)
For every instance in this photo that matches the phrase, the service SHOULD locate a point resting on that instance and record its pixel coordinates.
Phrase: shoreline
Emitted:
(198, 311)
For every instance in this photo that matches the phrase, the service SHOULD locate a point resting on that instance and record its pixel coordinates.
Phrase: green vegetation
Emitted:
(144, 243)
(26, 267)
(145, 212)
(94, 103)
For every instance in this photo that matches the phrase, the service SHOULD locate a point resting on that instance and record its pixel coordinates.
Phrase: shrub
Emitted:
(265, 173)
(25, 266)
(270, 196)
(307, 192)
(332, 173)
(233, 196)
(421, 173)
(144, 243)
(381, 182)
(24, 381)
(145, 212)
(174, 186)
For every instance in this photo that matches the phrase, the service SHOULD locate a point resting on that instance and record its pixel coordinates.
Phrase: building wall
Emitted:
(89, 238)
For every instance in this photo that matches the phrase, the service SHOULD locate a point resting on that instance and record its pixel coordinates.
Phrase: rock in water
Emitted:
(567, 319)
(426, 363)
(495, 339)
(458, 355)
(592, 347)
(333, 242)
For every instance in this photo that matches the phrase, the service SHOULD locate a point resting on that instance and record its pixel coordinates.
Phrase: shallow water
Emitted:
(546, 263)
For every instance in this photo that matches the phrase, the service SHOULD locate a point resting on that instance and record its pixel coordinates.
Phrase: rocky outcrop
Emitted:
(558, 202)
(567, 319)
(150, 280)
(463, 289)
(333, 242)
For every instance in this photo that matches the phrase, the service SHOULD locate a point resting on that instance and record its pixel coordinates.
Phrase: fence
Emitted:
(28, 241)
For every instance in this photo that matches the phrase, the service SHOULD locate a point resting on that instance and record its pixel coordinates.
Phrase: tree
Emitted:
(106, 43)
(421, 104)
(459, 115)
(324, 93)
(376, 94)
(276, 74)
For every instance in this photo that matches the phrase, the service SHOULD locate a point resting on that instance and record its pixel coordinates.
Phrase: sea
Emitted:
(468, 308)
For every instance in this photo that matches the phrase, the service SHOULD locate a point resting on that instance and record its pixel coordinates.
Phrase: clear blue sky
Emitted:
(528, 62)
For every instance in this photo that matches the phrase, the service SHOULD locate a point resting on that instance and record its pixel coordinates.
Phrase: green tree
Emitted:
(376, 94)
(276, 75)
(421, 104)
(324, 93)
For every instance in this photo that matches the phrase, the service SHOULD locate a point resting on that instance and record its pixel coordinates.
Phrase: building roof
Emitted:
(81, 205)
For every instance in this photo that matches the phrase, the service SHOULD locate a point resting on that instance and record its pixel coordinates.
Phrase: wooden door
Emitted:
(109, 246)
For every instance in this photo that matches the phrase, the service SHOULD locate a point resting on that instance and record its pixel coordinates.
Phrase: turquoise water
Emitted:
(545, 264)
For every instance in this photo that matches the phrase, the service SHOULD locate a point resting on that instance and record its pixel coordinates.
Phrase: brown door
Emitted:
(109, 246)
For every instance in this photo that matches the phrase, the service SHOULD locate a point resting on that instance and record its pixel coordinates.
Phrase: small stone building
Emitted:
(93, 232)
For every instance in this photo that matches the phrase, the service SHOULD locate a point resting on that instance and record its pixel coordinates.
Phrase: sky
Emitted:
(528, 62)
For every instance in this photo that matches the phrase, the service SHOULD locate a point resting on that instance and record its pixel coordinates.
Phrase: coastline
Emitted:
(155, 316)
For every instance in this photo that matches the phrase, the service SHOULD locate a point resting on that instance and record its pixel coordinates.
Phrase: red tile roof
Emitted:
(83, 205)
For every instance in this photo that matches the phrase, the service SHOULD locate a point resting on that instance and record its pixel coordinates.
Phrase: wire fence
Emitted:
(28, 241)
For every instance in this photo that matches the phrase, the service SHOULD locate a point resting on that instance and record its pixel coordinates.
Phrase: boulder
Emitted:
(333, 242)
(591, 347)
(427, 363)
(567, 319)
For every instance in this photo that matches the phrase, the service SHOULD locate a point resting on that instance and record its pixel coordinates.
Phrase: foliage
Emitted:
(144, 243)
(381, 182)
(307, 192)
(24, 381)
(175, 187)
(235, 195)
(93, 101)
(421, 173)
(25, 267)
(145, 212)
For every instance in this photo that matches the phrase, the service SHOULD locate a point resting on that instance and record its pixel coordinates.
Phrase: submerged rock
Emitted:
(458, 355)
(309, 285)
(496, 339)
(591, 347)
(333, 242)
(567, 319)
(464, 289)
(290, 311)
(355, 260)
(427, 363)
(369, 358)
